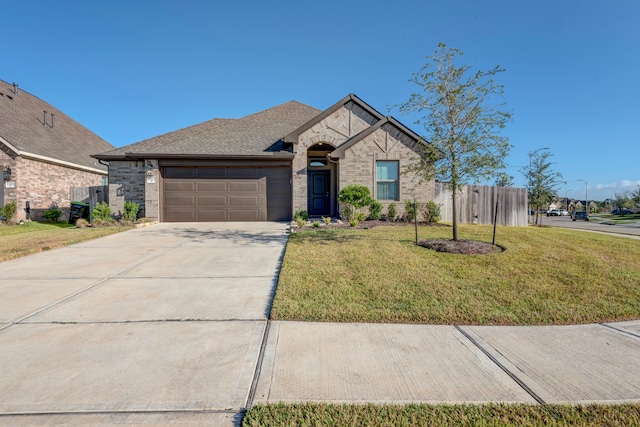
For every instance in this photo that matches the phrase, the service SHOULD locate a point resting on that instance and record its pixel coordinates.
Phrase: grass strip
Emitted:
(493, 414)
(33, 237)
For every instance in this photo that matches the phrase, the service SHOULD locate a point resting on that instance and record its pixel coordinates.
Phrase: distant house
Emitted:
(266, 166)
(43, 153)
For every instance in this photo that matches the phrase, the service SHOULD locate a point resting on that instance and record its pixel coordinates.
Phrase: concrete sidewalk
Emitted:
(168, 325)
(389, 363)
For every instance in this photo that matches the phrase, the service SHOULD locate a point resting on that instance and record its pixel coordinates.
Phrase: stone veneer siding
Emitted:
(359, 164)
(387, 143)
(7, 159)
(333, 130)
(126, 184)
(41, 183)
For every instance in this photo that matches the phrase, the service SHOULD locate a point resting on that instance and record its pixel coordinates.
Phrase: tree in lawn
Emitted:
(623, 200)
(463, 122)
(635, 196)
(542, 180)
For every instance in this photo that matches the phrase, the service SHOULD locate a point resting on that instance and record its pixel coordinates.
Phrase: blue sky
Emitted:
(131, 70)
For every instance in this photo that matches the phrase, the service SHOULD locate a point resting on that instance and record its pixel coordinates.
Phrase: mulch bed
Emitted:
(463, 247)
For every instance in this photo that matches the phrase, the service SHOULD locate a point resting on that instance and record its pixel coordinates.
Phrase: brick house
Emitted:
(265, 166)
(43, 153)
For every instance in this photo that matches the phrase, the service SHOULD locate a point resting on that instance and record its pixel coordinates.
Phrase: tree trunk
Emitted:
(455, 214)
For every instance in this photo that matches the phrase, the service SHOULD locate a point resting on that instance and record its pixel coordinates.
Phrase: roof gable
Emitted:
(339, 152)
(293, 136)
(32, 127)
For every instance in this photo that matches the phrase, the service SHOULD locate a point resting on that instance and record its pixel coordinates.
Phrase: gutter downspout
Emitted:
(334, 199)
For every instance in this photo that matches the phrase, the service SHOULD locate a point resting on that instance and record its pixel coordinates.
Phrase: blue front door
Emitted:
(318, 185)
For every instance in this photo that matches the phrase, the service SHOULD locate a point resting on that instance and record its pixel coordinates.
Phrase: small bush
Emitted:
(431, 212)
(375, 210)
(302, 214)
(358, 217)
(326, 219)
(130, 211)
(101, 212)
(316, 224)
(9, 210)
(82, 223)
(300, 221)
(353, 197)
(392, 212)
(53, 214)
(408, 210)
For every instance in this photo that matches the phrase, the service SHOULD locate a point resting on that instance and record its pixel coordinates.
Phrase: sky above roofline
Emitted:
(129, 71)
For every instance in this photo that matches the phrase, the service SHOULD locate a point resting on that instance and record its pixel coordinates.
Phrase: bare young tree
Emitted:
(462, 120)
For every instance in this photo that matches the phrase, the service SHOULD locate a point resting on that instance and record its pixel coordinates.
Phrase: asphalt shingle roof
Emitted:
(253, 135)
(21, 125)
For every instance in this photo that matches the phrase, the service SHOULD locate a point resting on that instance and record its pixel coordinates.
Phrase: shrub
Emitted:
(9, 210)
(101, 212)
(358, 217)
(54, 213)
(130, 211)
(326, 219)
(300, 221)
(375, 210)
(302, 214)
(408, 210)
(431, 211)
(354, 197)
(316, 224)
(392, 212)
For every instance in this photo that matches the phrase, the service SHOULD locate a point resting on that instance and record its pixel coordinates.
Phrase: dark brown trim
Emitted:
(226, 163)
(145, 156)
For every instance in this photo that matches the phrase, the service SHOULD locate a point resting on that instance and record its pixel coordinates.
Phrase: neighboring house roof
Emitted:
(258, 134)
(52, 137)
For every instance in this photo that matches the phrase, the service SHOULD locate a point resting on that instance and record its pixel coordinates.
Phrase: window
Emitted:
(317, 163)
(387, 180)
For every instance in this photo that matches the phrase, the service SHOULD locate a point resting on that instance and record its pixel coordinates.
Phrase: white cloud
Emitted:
(605, 191)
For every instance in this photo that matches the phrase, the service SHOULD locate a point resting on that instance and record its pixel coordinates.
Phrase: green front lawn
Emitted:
(545, 276)
(32, 237)
(320, 414)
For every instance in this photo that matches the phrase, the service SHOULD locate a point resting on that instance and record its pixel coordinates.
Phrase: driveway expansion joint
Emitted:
(513, 376)
(621, 331)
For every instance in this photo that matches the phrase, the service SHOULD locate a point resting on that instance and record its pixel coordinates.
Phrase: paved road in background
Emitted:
(629, 230)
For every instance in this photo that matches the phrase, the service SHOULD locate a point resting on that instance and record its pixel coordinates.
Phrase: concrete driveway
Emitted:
(158, 325)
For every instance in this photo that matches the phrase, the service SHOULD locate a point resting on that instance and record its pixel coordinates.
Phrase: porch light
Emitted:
(6, 174)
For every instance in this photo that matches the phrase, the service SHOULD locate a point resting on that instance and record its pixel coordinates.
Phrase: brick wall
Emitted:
(126, 183)
(42, 183)
(7, 159)
(387, 143)
(359, 164)
(333, 130)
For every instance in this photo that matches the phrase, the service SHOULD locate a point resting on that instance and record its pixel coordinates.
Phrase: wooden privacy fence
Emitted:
(477, 204)
(91, 195)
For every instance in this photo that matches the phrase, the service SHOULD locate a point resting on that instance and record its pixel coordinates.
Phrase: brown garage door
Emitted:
(202, 193)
